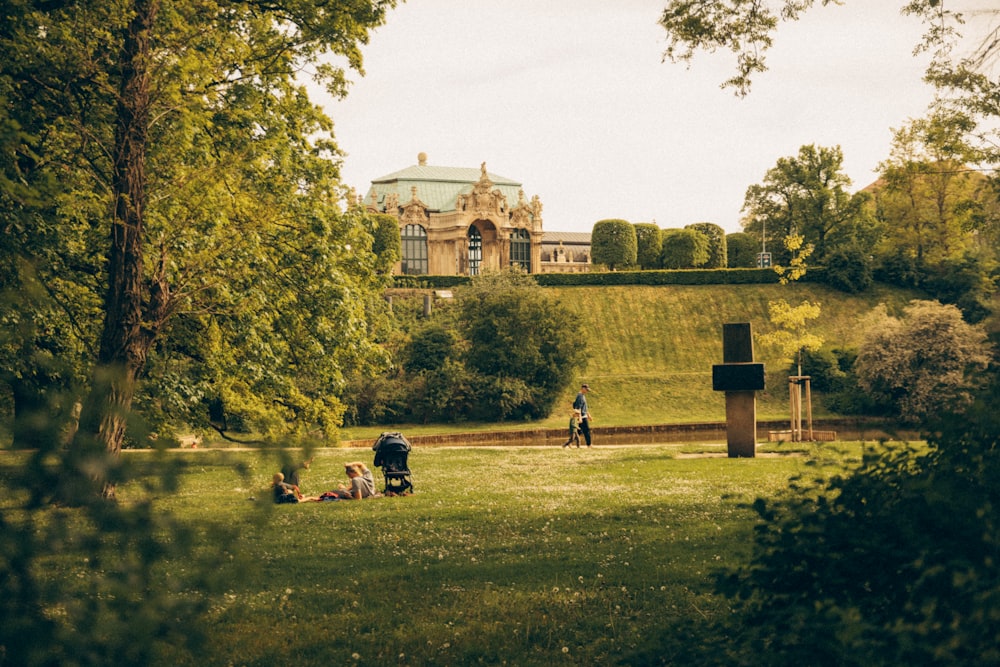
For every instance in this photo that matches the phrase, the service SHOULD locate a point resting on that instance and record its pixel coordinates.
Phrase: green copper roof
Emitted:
(438, 187)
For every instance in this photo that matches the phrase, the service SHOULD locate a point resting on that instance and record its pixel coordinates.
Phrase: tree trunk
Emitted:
(126, 337)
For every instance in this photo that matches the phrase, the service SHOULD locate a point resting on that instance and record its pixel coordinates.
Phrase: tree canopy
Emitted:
(174, 194)
(521, 343)
(806, 195)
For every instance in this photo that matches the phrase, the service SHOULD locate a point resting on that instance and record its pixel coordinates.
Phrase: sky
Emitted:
(572, 99)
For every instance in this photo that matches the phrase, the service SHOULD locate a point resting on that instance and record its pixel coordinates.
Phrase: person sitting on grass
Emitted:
(285, 492)
(362, 484)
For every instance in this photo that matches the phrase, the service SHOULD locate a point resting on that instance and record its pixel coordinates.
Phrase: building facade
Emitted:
(565, 252)
(459, 221)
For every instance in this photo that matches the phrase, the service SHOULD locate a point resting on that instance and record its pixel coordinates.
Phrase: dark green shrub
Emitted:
(429, 349)
(741, 250)
(969, 283)
(849, 269)
(898, 268)
(518, 333)
(376, 400)
(823, 368)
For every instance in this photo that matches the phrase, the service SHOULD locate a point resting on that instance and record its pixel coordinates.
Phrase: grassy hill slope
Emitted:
(651, 349)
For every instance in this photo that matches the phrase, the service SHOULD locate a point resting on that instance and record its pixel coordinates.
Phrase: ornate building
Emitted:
(457, 221)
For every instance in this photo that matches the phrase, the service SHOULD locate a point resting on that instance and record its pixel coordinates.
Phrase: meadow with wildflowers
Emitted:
(515, 555)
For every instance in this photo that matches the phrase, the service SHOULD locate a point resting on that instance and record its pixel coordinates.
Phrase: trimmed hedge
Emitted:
(660, 277)
(429, 282)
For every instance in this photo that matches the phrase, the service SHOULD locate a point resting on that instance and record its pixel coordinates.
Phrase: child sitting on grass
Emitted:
(283, 491)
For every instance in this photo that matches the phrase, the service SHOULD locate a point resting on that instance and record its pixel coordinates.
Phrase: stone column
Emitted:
(740, 378)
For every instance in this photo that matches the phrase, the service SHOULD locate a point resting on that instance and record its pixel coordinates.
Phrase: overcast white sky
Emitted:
(571, 99)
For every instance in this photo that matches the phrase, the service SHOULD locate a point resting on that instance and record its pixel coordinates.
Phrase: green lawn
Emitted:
(518, 556)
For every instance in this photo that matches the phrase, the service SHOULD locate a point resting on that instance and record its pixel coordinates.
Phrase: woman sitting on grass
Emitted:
(362, 484)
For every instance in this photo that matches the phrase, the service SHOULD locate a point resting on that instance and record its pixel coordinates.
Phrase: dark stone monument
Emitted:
(740, 378)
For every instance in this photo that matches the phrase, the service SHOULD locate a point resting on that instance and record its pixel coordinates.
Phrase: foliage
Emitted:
(806, 195)
(718, 253)
(741, 27)
(823, 366)
(684, 249)
(968, 282)
(188, 230)
(794, 334)
(849, 269)
(648, 245)
(742, 249)
(387, 245)
(667, 277)
(429, 349)
(797, 254)
(923, 362)
(613, 244)
(926, 198)
(892, 563)
(428, 282)
(523, 340)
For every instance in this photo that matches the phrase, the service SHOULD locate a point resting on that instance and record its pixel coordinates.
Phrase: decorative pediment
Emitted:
(414, 212)
(483, 200)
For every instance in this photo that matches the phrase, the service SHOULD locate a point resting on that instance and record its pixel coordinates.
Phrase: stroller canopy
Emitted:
(391, 442)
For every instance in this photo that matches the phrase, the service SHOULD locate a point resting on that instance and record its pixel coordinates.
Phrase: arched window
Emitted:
(475, 251)
(520, 249)
(414, 240)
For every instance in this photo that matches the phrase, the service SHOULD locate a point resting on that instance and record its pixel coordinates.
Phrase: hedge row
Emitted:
(659, 277)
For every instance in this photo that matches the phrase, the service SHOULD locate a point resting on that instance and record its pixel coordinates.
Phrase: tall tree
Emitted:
(807, 195)
(180, 134)
(927, 196)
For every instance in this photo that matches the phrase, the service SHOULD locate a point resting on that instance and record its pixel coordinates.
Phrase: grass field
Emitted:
(651, 350)
(515, 556)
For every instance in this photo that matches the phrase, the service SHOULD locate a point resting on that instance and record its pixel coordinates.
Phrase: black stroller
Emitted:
(391, 451)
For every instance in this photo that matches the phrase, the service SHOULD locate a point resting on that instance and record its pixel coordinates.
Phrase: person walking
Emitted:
(581, 404)
(574, 430)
